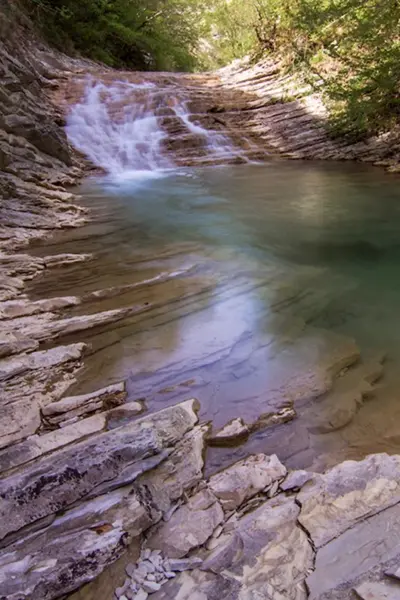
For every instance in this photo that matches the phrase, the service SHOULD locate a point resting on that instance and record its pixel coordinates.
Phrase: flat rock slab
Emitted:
(95, 466)
(295, 480)
(351, 491)
(367, 550)
(246, 478)
(76, 406)
(73, 549)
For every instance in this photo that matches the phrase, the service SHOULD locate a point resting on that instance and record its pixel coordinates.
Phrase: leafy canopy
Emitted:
(351, 47)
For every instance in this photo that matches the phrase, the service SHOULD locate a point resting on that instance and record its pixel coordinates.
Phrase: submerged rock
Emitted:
(231, 434)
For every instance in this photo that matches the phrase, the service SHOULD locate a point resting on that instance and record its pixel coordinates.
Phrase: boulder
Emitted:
(271, 560)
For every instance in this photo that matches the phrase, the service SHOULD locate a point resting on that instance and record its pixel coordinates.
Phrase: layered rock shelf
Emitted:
(90, 479)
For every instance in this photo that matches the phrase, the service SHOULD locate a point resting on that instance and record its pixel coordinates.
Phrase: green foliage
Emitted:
(352, 47)
(145, 34)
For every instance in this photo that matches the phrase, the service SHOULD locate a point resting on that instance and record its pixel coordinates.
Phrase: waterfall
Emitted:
(122, 127)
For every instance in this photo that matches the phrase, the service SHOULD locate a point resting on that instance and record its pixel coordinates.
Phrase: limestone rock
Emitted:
(245, 478)
(27, 382)
(73, 549)
(362, 553)
(180, 471)
(117, 416)
(189, 527)
(110, 460)
(76, 406)
(184, 564)
(378, 591)
(395, 573)
(296, 480)
(276, 418)
(234, 432)
(37, 445)
(271, 560)
(199, 585)
(337, 500)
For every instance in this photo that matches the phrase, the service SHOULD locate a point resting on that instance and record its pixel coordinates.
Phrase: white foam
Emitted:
(117, 128)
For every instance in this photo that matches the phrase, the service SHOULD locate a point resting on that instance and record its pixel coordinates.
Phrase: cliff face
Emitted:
(36, 161)
(289, 118)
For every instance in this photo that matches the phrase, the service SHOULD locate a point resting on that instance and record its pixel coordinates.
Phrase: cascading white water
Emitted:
(119, 127)
(218, 145)
(114, 126)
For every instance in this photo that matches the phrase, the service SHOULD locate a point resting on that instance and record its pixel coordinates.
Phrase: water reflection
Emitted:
(255, 274)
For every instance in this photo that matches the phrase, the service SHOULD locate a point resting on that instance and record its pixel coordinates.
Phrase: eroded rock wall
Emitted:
(289, 118)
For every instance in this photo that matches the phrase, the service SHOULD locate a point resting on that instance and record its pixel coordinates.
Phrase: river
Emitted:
(256, 278)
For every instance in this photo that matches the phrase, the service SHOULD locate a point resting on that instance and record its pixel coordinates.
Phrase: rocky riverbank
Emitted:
(87, 479)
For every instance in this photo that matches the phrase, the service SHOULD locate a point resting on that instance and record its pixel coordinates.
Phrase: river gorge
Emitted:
(199, 359)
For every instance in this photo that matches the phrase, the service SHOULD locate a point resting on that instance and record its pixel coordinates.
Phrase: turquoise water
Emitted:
(254, 270)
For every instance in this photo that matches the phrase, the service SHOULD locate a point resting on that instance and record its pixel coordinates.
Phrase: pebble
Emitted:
(141, 570)
(151, 586)
(166, 565)
(141, 595)
(169, 574)
(146, 564)
(138, 577)
(130, 569)
(120, 591)
(156, 561)
(184, 564)
(152, 572)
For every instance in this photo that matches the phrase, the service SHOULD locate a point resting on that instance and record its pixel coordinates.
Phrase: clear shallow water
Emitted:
(257, 276)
